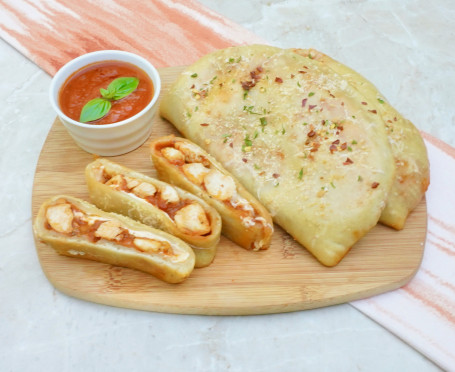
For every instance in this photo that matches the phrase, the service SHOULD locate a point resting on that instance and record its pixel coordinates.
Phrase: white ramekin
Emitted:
(108, 139)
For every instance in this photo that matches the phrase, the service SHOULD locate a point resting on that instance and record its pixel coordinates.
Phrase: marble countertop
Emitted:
(406, 49)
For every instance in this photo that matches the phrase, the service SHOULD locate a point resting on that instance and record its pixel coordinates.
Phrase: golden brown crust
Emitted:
(413, 170)
(113, 199)
(172, 265)
(255, 235)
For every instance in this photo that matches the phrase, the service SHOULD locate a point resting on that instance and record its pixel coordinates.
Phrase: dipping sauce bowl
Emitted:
(107, 139)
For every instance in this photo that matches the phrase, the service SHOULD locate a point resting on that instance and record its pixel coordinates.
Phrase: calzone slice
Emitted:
(244, 220)
(411, 159)
(296, 135)
(115, 188)
(76, 228)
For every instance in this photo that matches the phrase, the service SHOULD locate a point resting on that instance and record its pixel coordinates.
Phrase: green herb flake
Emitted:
(349, 148)
(359, 179)
(226, 136)
(247, 140)
(354, 142)
(194, 75)
(311, 94)
(300, 174)
(381, 101)
(263, 121)
(245, 94)
(331, 184)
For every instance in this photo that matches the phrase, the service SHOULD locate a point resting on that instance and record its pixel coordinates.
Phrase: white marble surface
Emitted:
(406, 49)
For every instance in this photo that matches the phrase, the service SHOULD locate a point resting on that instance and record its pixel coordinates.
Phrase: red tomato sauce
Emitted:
(84, 85)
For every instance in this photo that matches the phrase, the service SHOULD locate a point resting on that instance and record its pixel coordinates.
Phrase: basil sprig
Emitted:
(99, 107)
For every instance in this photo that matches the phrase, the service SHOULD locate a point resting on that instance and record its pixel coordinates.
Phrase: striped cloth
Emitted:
(168, 33)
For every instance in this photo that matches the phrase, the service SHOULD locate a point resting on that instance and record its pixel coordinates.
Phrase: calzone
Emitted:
(296, 134)
(115, 188)
(76, 228)
(244, 220)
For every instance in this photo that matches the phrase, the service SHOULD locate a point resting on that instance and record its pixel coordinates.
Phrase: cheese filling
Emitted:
(67, 219)
(196, 168)
(188, 215)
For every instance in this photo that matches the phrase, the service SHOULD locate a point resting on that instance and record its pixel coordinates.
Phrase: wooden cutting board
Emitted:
(282, 279)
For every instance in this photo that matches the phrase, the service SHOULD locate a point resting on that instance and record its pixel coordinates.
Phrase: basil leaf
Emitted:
(120, 87)
(106, 93)
(94, 110)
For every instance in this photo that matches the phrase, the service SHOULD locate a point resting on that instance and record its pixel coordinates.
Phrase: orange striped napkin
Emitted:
(178, 33)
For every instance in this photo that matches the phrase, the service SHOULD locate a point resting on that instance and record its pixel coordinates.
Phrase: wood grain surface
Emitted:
(239, 282)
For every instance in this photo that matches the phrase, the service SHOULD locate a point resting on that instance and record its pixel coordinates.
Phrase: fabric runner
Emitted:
(169, 33)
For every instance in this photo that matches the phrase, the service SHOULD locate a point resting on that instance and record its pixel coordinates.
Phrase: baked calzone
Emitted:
(244, 220)
(76, 228)
(296, 135)
(115, 188)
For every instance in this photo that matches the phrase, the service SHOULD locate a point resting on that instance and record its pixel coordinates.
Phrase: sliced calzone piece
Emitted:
(76, 228)
(115, 188)
(412, 166)
(296, 135)
(244, 220)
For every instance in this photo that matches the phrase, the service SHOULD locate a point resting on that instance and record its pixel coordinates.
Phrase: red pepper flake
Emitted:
(340, 127)
(204, 125)
(315, 147)
(275, 175)
(364, 103)
(389, 121)
(292, 76)
(395, 118)
(231, 145)
(336, 142)
(312, 133)
(245, 160)
(302, 72)
(304, 102)
(247, 85)
(374, 185)
(348, 161)
(254, 74)
(278, 80)
(305, 67)
(342, 103)
(373, 111)
(192, 87)
(311, 107)
(344, 146)
(332, 148)
(331, 95)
